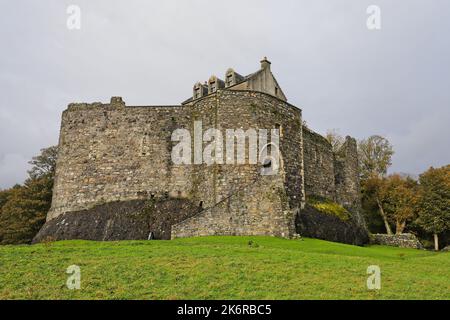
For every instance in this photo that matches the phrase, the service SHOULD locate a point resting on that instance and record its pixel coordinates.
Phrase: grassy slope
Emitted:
(221, 268)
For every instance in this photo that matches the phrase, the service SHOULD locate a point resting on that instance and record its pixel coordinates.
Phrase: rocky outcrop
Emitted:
(404, 240)
(315, 224)
(125, 220)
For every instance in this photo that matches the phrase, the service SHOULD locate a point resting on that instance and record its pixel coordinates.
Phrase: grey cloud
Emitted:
(392, 82)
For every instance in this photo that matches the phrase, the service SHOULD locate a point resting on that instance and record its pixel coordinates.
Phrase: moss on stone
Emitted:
(329, 207)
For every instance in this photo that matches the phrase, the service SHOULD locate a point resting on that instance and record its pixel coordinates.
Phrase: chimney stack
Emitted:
(265, 64)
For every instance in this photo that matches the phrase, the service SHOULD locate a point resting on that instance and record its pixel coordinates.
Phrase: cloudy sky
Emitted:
(394, 81)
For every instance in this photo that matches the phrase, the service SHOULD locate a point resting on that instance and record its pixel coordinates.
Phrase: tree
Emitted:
(395, 198)
(374, 191)
(25, 211)
(374, 156)
(335, 139)
(434, 202)
(6, 194)
(44, 164)
(400, 197)
(23, 208)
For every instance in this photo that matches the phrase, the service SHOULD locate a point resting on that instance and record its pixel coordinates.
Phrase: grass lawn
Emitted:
(221, 268)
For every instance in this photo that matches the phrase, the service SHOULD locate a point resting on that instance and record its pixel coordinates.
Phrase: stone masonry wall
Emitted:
(404, 240)
(333, 175)
(112, 152)
(109, 152)
(318, 161)
(250, 207)
(257, 209)
(117, 153)
(347, 178)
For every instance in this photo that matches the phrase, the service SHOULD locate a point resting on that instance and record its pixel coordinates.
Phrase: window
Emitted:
(229, 80)
(279, 128)
(214, 84)
(197, 93)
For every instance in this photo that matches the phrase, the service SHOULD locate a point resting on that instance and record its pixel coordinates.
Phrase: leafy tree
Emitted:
(434, 202)
(23, 208)
(44, 164)
(374, 192)
(25, 211)
(335, 139)
(374, 155)
(395, 198)
(6, 194)
(400, 198)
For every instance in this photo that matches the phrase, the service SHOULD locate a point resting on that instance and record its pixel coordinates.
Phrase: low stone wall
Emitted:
(404, 240)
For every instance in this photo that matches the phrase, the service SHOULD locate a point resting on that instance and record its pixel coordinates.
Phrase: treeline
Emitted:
(399, 203)
(23, 208)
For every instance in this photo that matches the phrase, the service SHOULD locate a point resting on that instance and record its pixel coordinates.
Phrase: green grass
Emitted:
(221, 268)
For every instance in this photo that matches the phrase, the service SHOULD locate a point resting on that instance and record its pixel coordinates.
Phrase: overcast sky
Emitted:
(394, 81)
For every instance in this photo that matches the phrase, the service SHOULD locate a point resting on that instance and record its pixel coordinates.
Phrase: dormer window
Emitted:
(229, 81)
(214, 84)
(199, 91)
(232, 78)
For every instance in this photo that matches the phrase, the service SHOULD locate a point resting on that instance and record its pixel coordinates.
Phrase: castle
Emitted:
(115, 177)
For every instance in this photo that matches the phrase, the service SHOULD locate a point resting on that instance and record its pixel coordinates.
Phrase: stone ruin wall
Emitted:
(331, 175)
(318, 160)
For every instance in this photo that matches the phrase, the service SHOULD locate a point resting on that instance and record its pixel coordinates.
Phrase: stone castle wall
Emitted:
(111, 152)
(332, 175)
(117, 153)
(347, 177)
(244, 202)
(318, 159)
